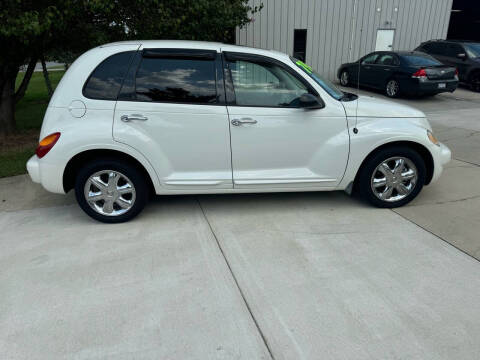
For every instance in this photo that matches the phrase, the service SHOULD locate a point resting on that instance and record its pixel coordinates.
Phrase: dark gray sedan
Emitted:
(400, 72)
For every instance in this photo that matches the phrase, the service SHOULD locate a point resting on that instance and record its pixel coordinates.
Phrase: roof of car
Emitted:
(190, 44)
(452, 40)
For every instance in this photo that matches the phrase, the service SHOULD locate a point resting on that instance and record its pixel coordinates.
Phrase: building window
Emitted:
(300, 44)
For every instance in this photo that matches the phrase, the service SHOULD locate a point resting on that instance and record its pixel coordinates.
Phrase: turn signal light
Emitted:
(46, 144)
(419, 74)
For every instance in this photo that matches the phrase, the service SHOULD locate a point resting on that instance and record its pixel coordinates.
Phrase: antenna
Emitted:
(354, 24)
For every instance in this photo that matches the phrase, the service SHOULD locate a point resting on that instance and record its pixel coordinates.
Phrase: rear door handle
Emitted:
(139, 117)
(238, 122)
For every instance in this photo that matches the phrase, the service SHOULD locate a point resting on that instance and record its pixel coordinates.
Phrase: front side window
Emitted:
(176, 80)
(265, 84)
(105, 81)
(473, 50)
(326, 84)
(386, 59)
(369, 59)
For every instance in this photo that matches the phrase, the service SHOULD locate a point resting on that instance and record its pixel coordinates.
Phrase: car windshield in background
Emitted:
(420, 60)
(473, 50)
(324, 83)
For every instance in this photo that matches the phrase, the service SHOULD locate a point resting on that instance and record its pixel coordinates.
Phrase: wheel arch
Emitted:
(75, 163)
(419, 148)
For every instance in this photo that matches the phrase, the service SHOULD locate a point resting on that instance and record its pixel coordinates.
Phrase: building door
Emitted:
(384, 40)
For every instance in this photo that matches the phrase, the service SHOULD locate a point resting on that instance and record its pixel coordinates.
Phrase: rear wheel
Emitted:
(392, 88)
(392, 177)
(111, 191)
(345, 78)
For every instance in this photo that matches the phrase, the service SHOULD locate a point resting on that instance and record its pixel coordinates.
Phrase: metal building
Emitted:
(327, 33)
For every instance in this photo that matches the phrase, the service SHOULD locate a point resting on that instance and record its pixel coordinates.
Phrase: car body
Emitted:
(464, 55)
(399, 72)
(180, 117)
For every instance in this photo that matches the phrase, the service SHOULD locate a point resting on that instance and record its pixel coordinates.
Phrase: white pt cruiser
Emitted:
(132, 119)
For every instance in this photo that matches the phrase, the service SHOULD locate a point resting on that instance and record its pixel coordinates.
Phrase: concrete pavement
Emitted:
(282, 276)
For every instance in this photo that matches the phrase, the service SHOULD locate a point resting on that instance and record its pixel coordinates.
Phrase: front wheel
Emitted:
(392, 88)
(475, 81)
(111, 191)
(392, 177)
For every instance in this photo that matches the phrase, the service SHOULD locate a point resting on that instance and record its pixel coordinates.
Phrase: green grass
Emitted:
(30, 110)
(29, 116)
(13, 162)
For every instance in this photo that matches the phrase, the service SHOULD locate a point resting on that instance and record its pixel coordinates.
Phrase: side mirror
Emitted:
(462, 56)
(308, 101)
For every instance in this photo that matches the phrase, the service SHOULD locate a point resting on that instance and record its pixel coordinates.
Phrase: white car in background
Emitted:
(135, 118)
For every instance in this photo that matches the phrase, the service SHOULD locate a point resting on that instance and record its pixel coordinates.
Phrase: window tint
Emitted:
(265, 84)
(386, 59)
(105, 81)
(438, 48)
(370, 59)
(454, 49)
(420, 60)
(473, 50)
(176, 80)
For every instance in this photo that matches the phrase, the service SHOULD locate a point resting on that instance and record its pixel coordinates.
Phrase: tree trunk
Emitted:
(47, 78)
(26, 79)
(8, 96)
(7, 106)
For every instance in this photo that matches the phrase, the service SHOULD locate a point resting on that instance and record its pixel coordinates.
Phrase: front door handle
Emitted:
(238, 122)
(139, 117)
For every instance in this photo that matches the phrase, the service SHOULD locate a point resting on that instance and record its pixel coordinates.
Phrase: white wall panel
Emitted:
(338, 33)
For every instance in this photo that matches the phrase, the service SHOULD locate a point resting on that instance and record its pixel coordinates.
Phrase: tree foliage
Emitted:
(32, 29)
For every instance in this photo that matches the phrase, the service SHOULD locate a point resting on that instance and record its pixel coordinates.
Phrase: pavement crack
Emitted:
(262, 335)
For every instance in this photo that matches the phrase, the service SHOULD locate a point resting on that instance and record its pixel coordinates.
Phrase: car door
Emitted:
(367, 70)
(171, 109)
(275, 142)
(384, 67)
(456, 59)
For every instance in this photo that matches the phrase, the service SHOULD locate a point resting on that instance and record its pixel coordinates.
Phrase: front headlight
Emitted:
(432, 138)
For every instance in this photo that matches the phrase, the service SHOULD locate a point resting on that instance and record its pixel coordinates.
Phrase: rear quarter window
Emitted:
(105, 81)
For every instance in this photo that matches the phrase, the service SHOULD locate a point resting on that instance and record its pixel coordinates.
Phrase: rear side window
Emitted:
(176, 80)
(106, 80)
(420, 60)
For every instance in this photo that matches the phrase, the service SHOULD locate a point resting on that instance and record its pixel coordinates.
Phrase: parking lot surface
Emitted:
(260, 276)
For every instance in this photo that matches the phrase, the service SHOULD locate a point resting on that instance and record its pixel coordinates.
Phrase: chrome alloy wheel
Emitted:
(109, 193)
(392, 88)
(344, 78)
(394, 179)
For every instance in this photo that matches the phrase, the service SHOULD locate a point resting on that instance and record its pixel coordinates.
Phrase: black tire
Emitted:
(363, 184)
(345, 78)
(131, 172)
(474, 81)
(392, 92)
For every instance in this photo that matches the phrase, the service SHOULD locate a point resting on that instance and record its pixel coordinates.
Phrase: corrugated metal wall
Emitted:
(341, 31)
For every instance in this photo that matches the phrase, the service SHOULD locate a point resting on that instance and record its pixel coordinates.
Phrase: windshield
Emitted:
(420, 60)
(473, 50)
(324, 83)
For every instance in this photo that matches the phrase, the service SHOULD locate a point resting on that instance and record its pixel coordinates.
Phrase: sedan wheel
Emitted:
(392, 89)
(344, 78)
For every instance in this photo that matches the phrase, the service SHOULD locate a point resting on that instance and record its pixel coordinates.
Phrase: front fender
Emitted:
(375, 132)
